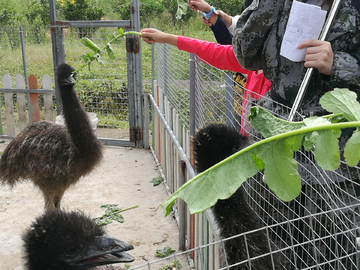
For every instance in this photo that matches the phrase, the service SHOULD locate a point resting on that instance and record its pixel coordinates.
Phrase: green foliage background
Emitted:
(34, 16)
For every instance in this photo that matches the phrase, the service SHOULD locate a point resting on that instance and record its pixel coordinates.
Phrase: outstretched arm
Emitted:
(151, 35)
(220, 56)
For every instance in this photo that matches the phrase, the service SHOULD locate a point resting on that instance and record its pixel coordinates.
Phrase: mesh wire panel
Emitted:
(318, 229)
(103, 89)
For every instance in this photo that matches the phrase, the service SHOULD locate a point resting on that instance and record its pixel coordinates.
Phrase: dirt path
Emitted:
(124, 179)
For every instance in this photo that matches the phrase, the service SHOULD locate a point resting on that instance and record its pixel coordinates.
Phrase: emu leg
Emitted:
(52, 198)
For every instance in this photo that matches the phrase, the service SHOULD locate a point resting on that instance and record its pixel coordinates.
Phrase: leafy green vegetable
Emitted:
(171, 266)
(181, 10)
(112, 213)
(275, 153)
(97, 52)
(162, 253)
(157, 181)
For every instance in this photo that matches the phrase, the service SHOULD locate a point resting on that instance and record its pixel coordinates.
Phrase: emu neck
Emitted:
(77, 121)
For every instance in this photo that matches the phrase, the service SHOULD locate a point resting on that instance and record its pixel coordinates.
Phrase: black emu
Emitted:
(234, 216)
(51, 155)
(59, 240)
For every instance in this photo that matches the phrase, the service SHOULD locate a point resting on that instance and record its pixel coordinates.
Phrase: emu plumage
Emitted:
(234, 215)
(53, 156)
(60, 240)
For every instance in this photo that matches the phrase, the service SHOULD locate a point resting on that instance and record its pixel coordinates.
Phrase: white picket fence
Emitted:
(171, 144)
(26, 109)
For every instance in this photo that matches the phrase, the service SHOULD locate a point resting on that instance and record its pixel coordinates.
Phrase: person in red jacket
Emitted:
(245, 93)
(219, 56)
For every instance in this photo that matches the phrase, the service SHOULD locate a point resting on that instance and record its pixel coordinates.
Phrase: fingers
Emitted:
(319, 55)
(149, 35)
(199, 5)
(206, 22)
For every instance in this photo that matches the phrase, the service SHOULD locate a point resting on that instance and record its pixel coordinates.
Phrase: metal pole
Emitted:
(300, 95)
(25, 69)
(192, 95)
(229, 100)
(58, 49)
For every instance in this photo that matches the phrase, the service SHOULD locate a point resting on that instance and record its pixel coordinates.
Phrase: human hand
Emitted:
(200, 5)
(319, 54)
(206, 22)
(151, 35)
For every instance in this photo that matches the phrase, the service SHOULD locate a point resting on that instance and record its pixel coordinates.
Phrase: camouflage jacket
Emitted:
(257, 43)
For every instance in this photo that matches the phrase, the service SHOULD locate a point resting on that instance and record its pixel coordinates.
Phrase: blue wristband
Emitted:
(208, 15)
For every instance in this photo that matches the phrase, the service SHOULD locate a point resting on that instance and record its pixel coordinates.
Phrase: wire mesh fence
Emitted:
(317, 230)
(102, 88)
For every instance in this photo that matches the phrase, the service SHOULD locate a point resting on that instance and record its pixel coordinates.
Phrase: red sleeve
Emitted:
(217, 55)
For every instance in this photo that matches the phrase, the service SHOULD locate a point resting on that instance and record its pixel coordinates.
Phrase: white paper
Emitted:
(305, 22)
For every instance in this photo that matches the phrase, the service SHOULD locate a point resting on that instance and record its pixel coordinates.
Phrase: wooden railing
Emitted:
(27, 109)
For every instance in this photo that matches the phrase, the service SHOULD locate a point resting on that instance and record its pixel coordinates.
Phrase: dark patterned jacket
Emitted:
(257, 43)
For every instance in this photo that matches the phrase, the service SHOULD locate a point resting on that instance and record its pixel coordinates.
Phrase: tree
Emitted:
(37, 15)
(230, 7)
(150, 9)
(73, 10)
(8, 20)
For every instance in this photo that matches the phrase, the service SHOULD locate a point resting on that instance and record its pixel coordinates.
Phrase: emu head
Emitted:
(71, 240)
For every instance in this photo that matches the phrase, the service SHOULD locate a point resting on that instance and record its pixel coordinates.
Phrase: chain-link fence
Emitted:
(317, 230)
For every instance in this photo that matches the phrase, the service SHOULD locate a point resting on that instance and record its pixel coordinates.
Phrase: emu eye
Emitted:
(73, 249)
(74, 76)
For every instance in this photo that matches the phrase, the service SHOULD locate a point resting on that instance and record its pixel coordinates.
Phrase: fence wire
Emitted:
(102, 89)
(317, 230)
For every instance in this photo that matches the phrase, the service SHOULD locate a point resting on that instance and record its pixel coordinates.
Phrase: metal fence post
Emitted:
(135, 78)
(25, 68)
(58, 48)
(192, 95)
(229, 100)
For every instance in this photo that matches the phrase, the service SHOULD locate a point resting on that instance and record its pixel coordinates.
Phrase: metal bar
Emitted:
(80, 24)
(58, 49)
(117, 142)
(30, 91)
(174, 139)
(229, 103)
(146, 128)
(24, 57)
(25, 67)
(192, 95)
(300, 95)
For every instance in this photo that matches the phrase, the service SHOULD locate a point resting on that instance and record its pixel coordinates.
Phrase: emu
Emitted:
(234, 215)
(52, 156)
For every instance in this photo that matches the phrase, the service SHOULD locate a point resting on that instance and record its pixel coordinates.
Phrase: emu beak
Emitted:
(106, 250)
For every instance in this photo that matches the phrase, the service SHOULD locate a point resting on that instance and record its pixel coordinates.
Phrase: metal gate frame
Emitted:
(138, 134)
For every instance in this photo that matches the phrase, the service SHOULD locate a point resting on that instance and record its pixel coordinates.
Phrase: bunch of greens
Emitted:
(112, 213)
(97, 53)
(275, 153)
(162, 253)
(172, 266)
(157, 181)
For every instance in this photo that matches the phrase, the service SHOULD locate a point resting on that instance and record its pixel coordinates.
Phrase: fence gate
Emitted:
(117, 102)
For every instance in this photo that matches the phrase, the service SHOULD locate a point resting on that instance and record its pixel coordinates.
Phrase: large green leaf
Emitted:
(282, 175)
(275, 154)
(352, 149)
(269, 125)
(342, 101)
(207, 187)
